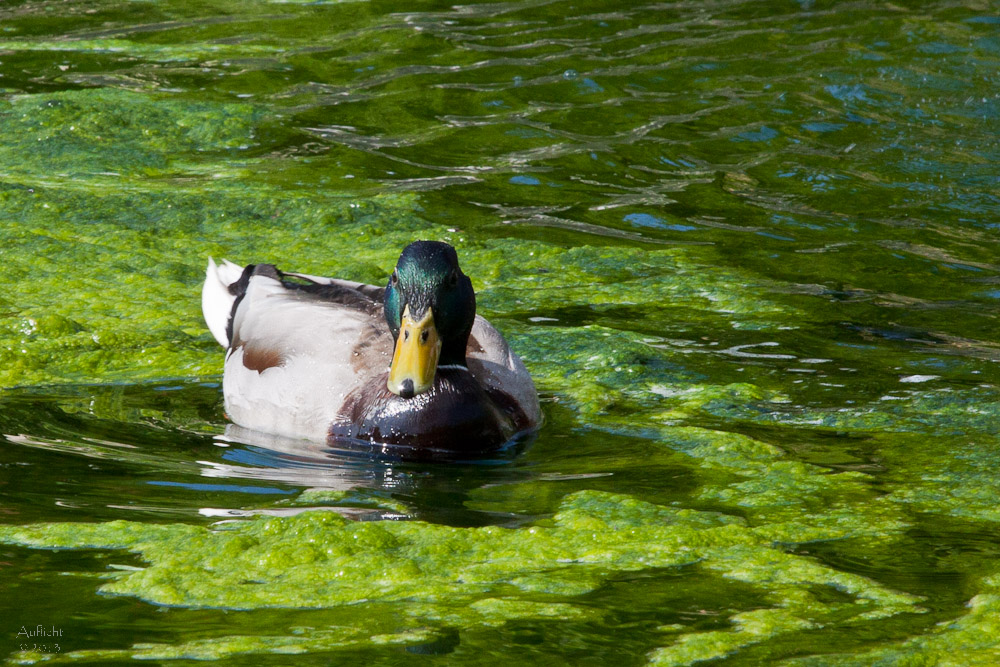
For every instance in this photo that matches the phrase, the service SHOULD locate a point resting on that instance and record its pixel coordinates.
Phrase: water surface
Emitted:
(747, 250)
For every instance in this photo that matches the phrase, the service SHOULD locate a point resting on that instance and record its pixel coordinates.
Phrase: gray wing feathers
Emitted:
(311, 350)
(495, 365)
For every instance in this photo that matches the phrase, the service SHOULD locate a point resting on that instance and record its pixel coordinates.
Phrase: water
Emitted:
(748, 252)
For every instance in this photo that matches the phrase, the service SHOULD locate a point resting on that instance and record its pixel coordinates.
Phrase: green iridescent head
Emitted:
(430, 307)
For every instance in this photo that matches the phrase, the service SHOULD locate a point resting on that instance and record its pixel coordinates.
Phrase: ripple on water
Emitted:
(747, 251)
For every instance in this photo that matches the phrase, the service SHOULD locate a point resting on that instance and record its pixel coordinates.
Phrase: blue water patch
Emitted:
(775, 236)
(589, 86)
(677, 163)
(823, 127)
(819, 181)
(916, 164)
(855, 93)
(496, 104)
(525, 180)
(763, 134)
(933, 363)
(939, 48)
(231, 488)
(983, 19)
(647, 220)
(855, 118)
(961, 267)
(989, 44)
(258, 457)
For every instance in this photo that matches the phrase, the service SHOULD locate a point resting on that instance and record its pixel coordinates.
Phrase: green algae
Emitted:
(607, 375)
(86, 132)
(911, 430)
(151, 51)
(464, 576)
(136, 315)
(327, 497)
(968, 640)
(104, 327)
(150, 162)
(304, 640)
(110, 201)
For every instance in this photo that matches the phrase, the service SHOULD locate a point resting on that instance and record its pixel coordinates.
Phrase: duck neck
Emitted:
(453, 353)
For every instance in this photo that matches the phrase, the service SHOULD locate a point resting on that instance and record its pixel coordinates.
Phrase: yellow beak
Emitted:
(415, 359)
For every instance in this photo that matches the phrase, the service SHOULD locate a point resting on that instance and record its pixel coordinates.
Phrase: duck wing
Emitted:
(502, 373)
(297, 347)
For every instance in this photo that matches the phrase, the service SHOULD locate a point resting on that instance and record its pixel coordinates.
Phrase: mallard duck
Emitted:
(410, 365)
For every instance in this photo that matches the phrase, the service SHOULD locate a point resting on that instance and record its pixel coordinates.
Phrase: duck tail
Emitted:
(217, 298)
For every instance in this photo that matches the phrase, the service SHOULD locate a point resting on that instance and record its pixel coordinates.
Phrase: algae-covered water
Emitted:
(748, 251)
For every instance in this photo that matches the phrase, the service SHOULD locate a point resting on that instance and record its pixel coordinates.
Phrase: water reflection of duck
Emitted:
(406, 367)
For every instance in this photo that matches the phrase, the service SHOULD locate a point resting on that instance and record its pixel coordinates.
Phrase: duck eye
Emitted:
(393, 279)
(453, 278)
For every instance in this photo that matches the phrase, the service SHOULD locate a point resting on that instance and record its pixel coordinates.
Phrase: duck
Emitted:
(409, 367)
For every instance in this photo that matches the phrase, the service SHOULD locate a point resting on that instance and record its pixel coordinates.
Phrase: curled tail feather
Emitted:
(217, 299)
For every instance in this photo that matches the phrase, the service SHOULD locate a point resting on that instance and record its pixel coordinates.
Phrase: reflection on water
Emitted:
(83, 451)
(64, 432)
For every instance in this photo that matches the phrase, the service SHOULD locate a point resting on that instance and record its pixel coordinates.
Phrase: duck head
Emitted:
(430, 307)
